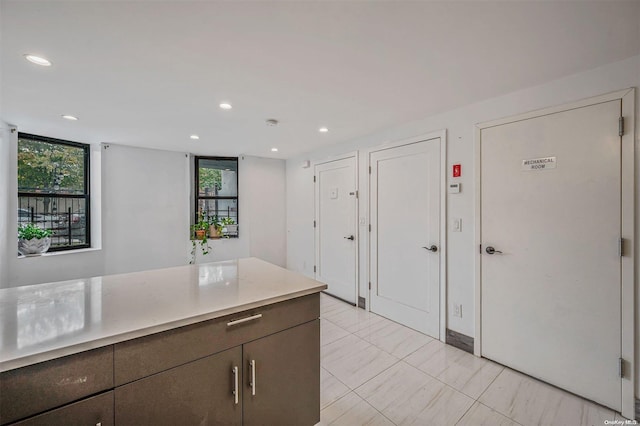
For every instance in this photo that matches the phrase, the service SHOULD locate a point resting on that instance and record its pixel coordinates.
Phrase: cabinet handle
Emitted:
(252, 364)
(235, 384)
(242, 320)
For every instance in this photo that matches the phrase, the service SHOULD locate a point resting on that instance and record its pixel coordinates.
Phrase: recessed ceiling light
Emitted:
(194, 137)
(38, 60)
(323, 130)
(70, 117)
(225, 106)
(274, 149)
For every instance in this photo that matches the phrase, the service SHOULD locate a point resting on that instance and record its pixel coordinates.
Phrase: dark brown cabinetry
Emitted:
(274, 380)
(257, 367)
(282, 376)
(197, 393)
(36, 388)
(96, 410)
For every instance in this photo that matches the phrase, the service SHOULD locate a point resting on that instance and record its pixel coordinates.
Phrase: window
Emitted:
(216, 183)
(53, 189)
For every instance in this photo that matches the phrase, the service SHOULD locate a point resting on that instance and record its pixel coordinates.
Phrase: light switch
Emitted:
(457, 225)
(363, 220)
(333, 194)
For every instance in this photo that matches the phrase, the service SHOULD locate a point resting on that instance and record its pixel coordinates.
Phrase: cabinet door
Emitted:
(197, 393)
(282, 377)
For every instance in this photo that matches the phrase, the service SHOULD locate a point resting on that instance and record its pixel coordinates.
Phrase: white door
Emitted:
(336, 243)
(550, 213)
(405, 234)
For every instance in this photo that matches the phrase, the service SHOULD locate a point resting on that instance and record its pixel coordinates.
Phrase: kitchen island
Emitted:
(233, 342)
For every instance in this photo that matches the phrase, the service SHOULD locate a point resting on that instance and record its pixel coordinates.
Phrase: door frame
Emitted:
(316, 206)
(442, 134)
(627, 96)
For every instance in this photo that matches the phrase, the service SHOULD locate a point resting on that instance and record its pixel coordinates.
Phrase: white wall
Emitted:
(145, 198)
(460, 129)
(5, 195)
(140, 216)
(267, 203)
(262, 220)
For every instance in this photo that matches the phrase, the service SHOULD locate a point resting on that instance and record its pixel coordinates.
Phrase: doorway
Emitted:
(335, 225)
(552, 229)
(405, 245)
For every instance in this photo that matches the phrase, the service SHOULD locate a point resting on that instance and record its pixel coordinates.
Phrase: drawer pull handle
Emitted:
(243, 320)
(235, 384)
(253, 376)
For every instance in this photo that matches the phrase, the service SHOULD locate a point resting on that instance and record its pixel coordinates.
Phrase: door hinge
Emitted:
(369, 227)
(314, 268)
(480, 248)
(621, 367)
(621, 247)
(369, 169)
(357, 194)
(314, 179)
(369, 285)
(314, 223)
(621, 126)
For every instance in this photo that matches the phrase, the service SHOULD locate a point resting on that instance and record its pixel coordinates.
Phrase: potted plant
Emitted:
(230, 225)
(201, 227)
(199, 231)
(215, 227)
(33, 241)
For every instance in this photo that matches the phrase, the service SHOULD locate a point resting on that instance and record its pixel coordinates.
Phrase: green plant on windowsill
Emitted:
(31, 231)
(228, 221)
(230, 226)
(33, 241)
(199, 235)
(215, 227)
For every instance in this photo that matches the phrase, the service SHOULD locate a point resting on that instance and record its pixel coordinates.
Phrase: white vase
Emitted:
(34, 246)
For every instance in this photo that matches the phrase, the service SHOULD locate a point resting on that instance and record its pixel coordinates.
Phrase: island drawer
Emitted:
(97, 410)
(141, 357)
(40, 387)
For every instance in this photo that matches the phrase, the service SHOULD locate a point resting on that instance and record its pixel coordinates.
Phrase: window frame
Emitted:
(196, 189)
(86, 196)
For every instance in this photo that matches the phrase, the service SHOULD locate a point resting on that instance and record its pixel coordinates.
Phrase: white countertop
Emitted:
(46, 321)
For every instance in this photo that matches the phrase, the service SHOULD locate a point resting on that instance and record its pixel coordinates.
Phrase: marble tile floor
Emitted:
(377, 372)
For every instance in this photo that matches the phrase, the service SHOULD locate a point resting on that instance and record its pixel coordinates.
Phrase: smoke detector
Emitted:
(271, 122)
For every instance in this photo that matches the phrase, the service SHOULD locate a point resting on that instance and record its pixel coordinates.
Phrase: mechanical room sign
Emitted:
(545, 163)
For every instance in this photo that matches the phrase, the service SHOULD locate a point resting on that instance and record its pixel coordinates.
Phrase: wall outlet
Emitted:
(457, 310)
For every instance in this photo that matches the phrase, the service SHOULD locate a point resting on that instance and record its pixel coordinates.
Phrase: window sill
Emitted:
(230, 237)
(62, 253)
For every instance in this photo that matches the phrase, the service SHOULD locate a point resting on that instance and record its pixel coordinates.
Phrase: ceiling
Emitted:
(151, 73)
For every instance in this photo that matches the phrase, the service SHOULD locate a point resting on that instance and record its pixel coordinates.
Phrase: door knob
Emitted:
(491, 250)
(432, 249)
(350, 237)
